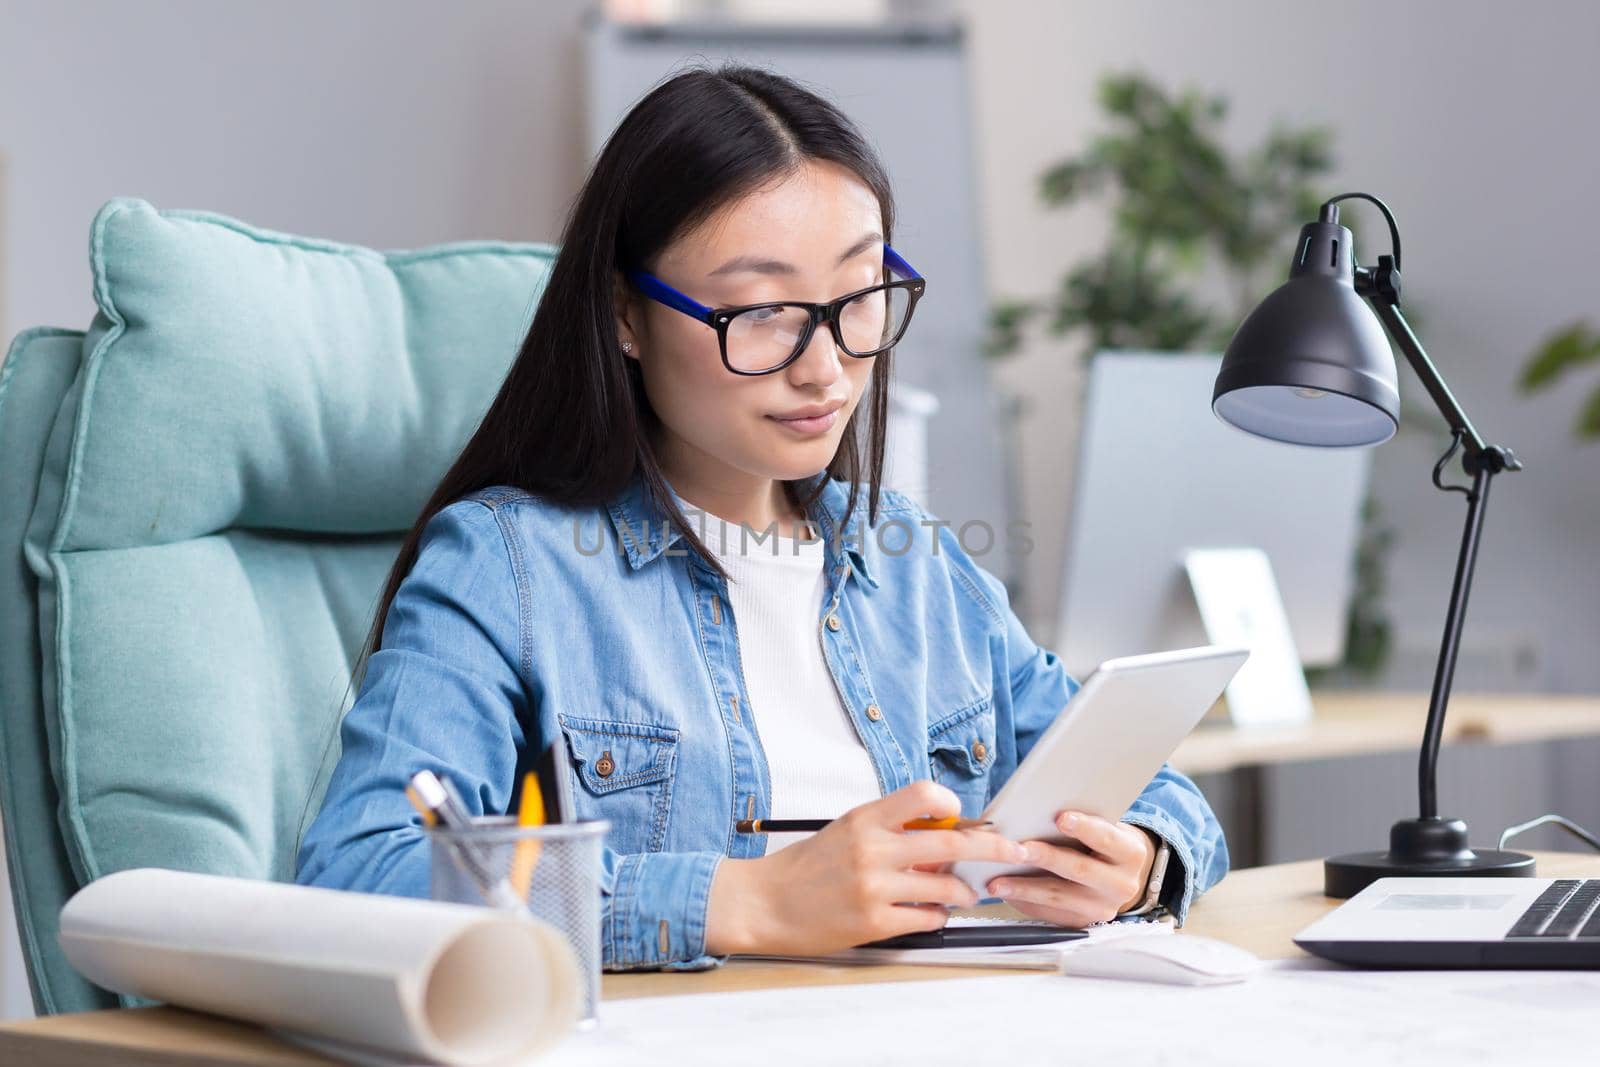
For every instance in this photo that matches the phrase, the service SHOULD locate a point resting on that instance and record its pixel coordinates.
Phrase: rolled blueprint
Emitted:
(446, 983)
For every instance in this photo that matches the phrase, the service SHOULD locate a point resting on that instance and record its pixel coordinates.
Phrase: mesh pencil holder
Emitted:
(558, 864)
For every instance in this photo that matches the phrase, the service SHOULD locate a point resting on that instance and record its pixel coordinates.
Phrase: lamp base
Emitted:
(1421, 848)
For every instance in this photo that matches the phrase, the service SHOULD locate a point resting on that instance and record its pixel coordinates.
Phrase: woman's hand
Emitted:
(1082, 887)
(860, 878)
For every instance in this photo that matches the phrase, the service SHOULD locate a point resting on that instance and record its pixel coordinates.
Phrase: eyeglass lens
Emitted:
(761, 338)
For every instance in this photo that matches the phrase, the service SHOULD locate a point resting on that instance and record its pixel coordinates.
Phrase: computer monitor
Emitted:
(1159, 474)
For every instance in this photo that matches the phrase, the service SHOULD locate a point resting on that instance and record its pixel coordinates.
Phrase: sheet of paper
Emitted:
(1306, 1013)
(391, 977)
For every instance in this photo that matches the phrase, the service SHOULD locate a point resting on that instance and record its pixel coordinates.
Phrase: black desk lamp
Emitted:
(1311, 366)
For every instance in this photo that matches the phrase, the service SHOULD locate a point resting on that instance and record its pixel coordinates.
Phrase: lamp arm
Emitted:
(1380, 286)
(1450, 645)
(1399, 329)
(1481, 461)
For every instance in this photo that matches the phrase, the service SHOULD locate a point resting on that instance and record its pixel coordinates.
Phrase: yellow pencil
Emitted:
(529, 813)
(952, 822)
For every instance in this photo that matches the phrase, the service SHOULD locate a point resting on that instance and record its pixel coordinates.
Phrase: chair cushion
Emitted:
(258, 419)
(38, 371)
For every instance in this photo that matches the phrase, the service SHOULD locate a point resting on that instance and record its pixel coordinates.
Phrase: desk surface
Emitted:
(1355, 722)
(1258, 908)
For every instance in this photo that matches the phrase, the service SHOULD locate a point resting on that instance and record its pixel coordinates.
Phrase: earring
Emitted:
(627, 346)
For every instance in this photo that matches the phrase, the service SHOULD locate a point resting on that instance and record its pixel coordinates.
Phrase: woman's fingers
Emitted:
(1118, 842)
(947, 846)
(918, 887)
(914, 800)
(1044, 897)
(906, 880)
(1078, 916)
(908, 918)
(1069, 868)
(1070, 863)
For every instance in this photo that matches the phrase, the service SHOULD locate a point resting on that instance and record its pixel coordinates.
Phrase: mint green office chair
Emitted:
(200, 496)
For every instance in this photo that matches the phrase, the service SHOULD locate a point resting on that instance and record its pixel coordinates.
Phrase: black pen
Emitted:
(765, 826)
(974, 936)
(555, 784)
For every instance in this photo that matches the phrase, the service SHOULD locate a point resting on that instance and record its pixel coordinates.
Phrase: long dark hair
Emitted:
(571, 423)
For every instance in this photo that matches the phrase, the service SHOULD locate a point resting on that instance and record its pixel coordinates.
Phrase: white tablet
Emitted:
(1104, 747)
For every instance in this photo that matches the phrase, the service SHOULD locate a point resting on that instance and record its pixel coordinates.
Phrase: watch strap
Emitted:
(1158, 874)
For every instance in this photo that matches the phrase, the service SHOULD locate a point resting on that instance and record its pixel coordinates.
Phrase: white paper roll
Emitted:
(448, 983)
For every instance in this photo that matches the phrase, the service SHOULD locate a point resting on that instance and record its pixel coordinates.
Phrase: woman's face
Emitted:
(814, 236)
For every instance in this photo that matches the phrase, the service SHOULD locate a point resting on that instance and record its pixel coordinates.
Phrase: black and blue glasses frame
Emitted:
(718, 318)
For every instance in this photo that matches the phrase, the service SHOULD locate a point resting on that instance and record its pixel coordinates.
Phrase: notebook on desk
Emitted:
(1022, 957)
(1464, 922)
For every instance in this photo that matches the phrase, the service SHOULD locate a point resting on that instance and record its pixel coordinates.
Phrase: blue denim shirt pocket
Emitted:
(625, 774)
(961, 751)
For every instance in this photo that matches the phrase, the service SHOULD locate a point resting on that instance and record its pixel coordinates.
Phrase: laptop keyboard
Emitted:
(1566, 910)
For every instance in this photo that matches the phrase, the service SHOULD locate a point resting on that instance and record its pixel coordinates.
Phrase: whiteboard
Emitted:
(906, 87)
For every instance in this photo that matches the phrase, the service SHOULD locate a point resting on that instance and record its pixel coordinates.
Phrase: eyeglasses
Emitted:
(762, 338)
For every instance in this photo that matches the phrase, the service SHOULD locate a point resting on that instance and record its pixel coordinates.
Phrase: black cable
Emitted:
(1394, 230)
(1438, 468)
(1566, 824)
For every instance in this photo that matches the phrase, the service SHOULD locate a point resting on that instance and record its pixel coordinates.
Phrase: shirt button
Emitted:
(604, 766)
(979, 750)
(873, 713)
(833, 622)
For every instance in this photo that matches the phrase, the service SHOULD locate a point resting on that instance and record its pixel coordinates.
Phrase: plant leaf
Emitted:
(1071, 178)
(1563, 350)
(1589, 418)
(1006, 320)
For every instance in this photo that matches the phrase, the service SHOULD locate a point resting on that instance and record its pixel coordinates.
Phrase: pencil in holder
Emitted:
(553, 868)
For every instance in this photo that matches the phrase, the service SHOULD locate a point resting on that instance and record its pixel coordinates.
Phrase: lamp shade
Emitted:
(1311, 364)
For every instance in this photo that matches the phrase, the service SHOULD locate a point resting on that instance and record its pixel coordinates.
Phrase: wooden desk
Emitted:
(1252, 775)
(1354, 723)
(1258, 908)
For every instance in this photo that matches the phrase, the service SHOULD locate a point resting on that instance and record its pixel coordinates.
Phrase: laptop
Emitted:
(1479, 922)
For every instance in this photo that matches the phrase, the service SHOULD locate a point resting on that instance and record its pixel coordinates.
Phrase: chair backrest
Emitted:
(199, 498)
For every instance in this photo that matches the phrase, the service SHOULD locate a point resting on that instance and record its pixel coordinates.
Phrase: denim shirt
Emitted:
(524, 621)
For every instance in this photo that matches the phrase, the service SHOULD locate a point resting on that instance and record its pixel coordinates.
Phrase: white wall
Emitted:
(392, 124)
(1473, 121)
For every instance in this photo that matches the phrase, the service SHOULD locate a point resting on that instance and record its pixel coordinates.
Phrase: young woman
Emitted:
(666, 549)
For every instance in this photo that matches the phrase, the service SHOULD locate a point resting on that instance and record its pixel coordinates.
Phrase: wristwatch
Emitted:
(1158, 874)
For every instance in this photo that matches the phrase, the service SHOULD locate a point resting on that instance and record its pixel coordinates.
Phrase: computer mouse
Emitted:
(1180, 959)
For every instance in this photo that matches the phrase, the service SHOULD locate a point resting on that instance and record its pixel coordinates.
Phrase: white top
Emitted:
(819, 767)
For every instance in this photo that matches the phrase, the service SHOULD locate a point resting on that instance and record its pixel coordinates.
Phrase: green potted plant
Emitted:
(1184, 208)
